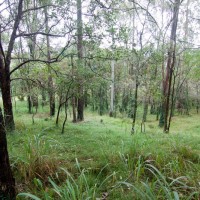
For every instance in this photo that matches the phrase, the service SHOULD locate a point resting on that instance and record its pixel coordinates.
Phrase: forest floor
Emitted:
(99, 158)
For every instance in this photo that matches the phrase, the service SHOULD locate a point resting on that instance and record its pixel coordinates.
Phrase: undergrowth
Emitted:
(99, 159)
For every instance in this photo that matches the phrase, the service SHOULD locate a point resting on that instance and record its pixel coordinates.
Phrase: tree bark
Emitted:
(112, 89)
(50, 79)
(6, 96)
(146, 103)
(7, 181)
(135, 106)
(5, 61)
(170, 65)
(80, 106)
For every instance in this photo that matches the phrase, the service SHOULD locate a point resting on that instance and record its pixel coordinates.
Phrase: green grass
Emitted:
(95, 159)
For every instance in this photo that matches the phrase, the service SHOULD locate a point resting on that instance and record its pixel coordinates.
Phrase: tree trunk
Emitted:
(5, 70)
(144, 118)
(7, 182)
(74, 109)
(161, 112)
(29, 104)
(80, 106)
(112, 89)
(170, 65)
(6, 96)
(100, 101)
(50, 79)
(135, 106)
(197, 101)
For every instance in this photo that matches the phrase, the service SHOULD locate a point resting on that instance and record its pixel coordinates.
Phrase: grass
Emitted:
(99, 159)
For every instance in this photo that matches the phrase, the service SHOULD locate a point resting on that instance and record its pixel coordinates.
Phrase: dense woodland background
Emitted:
(123, 71)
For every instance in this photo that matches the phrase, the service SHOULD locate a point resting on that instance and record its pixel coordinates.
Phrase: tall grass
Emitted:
(112, 163)
(161, 187)
(73, 188)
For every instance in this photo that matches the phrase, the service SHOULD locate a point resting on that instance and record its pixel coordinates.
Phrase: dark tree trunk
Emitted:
(59, 108)
(7, 181)
(5, 60)
(170, 65)
(74, 109)
(52, 103)
(161, 112)
(80, 106)
(135, 106)
(7, 104)
(29, 104)
(157, 112)
(146, 103)
(6, 95)
(100, 101)
(86, 99)
(197, 101)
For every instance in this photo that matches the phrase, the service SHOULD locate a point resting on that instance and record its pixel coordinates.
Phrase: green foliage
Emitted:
(99, 157)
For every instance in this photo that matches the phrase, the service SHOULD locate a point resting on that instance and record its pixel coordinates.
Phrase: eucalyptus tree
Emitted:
(140, 49)
(50, 79)
(170, 64)
(11, 16)
(7, 181)
(11, 29)
(108, 15)
(80, 104)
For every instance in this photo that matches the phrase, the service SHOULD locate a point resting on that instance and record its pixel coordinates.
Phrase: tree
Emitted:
(50, 79)
(170, 65)
(80, 105)
(7, 181)
(5, 61)
(13, 29)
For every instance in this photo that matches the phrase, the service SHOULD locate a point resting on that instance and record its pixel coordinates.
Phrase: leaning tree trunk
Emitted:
(5, 61)
(170, 65)
(7, 182)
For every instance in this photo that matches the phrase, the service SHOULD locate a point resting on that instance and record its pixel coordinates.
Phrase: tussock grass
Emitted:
(99, 159)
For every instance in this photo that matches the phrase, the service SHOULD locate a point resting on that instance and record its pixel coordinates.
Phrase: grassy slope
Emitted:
(108, 154)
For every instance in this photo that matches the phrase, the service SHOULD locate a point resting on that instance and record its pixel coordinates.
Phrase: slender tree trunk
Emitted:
(161, 113)
(172, 102)
(74, 109)
(146, 103)
(100, 101)
(112, 88)
(80, 106)
(29, 104)
(135, 106)
(7, 181)
(170, 65)
(50, 79)
(197, 101)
